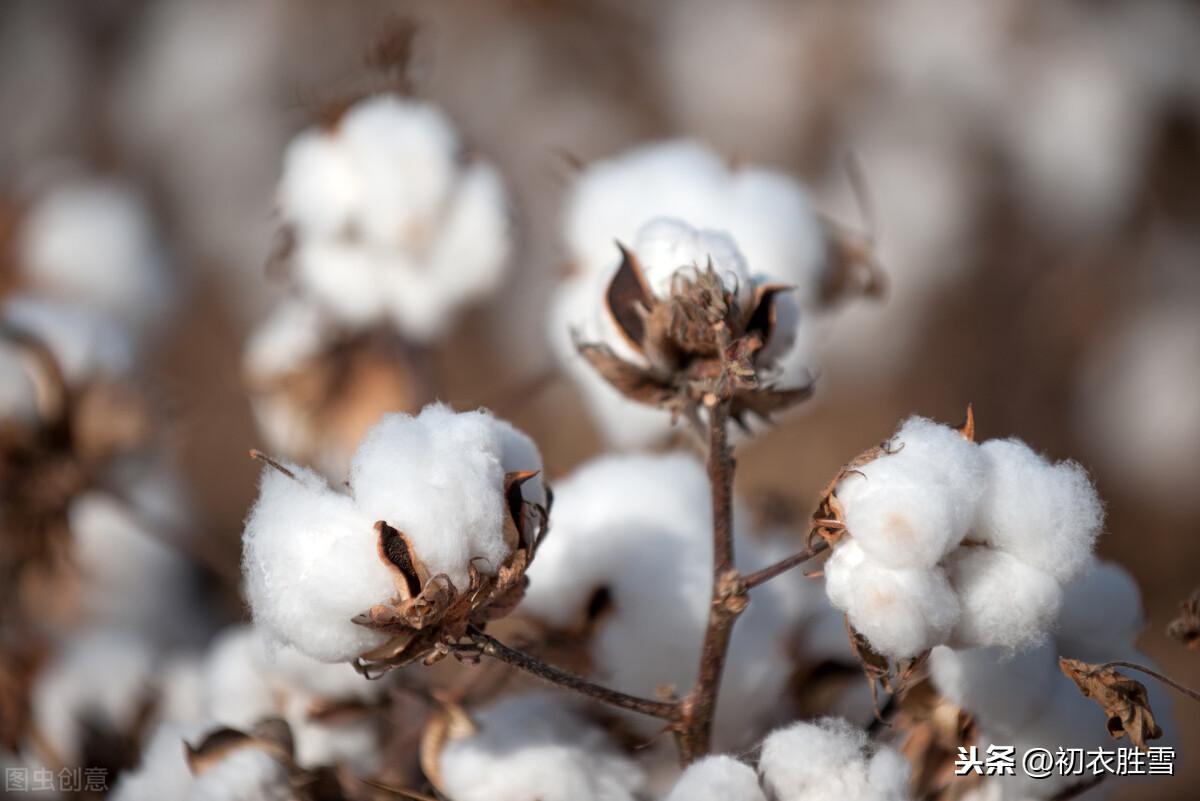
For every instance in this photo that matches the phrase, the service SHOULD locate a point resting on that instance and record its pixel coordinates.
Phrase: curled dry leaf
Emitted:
(1123, 699)
(1186, 627)
(696, 342)
(428, 611)
(272, 736)
(451, 722)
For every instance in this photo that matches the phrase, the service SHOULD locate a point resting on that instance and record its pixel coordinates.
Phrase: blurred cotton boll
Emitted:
(717, 778)
(828, 760)
(390, 222)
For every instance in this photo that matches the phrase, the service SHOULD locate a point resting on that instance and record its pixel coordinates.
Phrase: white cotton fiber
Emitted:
(901, 612)
(18, 393)
(67, 696)
(162, 772)
(310, 565)
(84, 343)
(320, 191)
(829, 760)
(912, 506)
(666, 247)
(1102, 606)
(1005, 690)
(535, 748)
(293, 333)
(1047, 515)
(717, 778)
(439, 478)
(247, 774)
(1004, 601)
(92, 242)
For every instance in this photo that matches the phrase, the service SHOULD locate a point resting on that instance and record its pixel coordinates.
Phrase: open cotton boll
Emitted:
(535, 748)
(18, 393)
(439, 478)
(67, 698)
(93, 242)
(717, 778)
(247, 774)
(829, 760)
(1101, 606)
(234, 688)
(311, 565)
(345, 277)
(85, 343)
(1004, 690)
(666, 247)
(1047, 515)
(162, 771)
(320, 191)
(1004, 601)
(901, 612)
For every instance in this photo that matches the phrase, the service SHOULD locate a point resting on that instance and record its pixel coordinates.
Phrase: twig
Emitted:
(1188, 691)
(262, 457)
(490, 646)
(729, 596)
(752, 580)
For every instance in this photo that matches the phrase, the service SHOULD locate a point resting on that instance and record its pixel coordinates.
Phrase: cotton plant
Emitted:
(674, 208)
(389, 232)
(442, 514)
(939, 540)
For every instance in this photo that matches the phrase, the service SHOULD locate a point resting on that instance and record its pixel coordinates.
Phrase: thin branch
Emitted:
(264, 458)
(1189, 692)
(729, 596)
(752, 580)
(490, 646)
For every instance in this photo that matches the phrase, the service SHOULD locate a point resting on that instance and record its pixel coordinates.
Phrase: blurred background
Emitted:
(1031, 170)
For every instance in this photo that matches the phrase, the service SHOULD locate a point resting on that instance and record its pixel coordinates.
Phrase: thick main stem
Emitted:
(490, 646)
(728, 596)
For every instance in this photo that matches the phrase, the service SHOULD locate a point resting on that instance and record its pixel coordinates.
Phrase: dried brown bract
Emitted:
(933, 730)
(429, 613)
(1123, 699)
(697, 343)
(1186, 627)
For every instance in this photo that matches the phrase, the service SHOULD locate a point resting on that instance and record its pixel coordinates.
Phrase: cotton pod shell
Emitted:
(311, 565)
(1047, 515)
(1004, 601)
(901, 612)
(717, 778)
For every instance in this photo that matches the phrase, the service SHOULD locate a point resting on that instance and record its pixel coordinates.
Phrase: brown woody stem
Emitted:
(490, 646)
(769, 572)
(1188, 691)
(729, 596)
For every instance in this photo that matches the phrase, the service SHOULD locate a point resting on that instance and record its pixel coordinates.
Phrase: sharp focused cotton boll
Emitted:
(535, 747)
(93, 242)
(717, 778)
(1004, 601)
(84, 343)
(1047, 515)
(829, 760)
(439, 478)
(311, 565)
(67, 698)
(901, 612)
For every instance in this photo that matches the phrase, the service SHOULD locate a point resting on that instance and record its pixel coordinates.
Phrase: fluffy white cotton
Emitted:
(162, 771)
(1048, 515)
(83, 342)
(247, 774)
(1003, 600)
(827, 761)
(311, 560)
(901, 611)
(1005, 690)
(93, 242)
(717, 778)
(310, 565)
(18, 392)
(1102, 605)
(67, 695)
(390, 225)
(535, 748)
(439, 478)
(912, 506)
(666, 247)
(293, 333)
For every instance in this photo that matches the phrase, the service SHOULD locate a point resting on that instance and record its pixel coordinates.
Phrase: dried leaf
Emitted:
(1186, 627)
(451, 722)
(1123, 699)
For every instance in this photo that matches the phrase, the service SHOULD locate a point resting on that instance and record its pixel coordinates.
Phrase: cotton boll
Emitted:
(1004, 690)
(247, 774)
(235, 691)
(666, 247)
(535, 748)
(439, 478)
(1004, 601)
(717, 778)
(83, 342)
(829, 760)
(1047, 515)
(900, 612)
(162, 771)
(320, 192)
(180, 689)
(92, 242)
(311, 565)
(66, 696)
(18, 393)
(470, 252)
(1101, 606)
(294, 332)
(345, 278)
